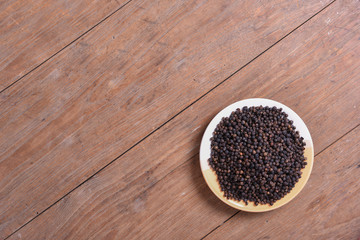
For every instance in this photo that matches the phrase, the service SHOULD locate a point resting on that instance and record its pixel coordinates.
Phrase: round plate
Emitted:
(211, 177)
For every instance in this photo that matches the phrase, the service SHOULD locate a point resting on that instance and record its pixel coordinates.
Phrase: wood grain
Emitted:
(34, 30)
(104, 93)
(156, 189)
(328, 208)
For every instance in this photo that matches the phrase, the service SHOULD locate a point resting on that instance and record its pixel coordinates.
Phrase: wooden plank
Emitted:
(327, 209)
(142, 196)
(100, 96)
(32, 31)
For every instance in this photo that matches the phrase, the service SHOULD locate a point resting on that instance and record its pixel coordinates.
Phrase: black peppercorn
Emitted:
(257, 155)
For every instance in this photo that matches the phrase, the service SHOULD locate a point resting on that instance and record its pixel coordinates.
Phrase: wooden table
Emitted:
(104, 103)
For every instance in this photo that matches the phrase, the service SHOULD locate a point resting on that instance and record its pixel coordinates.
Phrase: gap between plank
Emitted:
(67, 45)
(163, 124)
(314, 157)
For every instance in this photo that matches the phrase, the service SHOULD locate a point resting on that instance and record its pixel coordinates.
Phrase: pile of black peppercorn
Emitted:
(257, 155)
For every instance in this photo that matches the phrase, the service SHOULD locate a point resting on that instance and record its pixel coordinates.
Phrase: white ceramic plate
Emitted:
(211, 177)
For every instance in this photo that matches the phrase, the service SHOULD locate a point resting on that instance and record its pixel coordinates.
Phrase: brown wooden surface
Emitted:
(101, 95)
(92, 101)
(34, 30)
